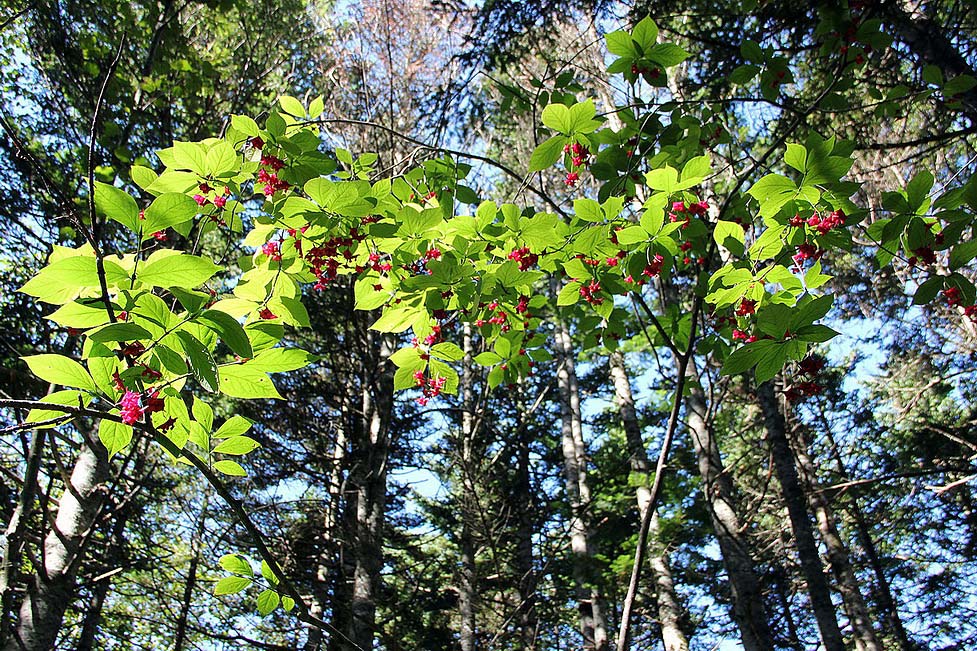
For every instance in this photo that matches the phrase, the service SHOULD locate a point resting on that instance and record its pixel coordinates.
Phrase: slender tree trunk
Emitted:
(747, 597)
(467, 578)
(783, 582)
(858, 613)
(114, 559)
(593, 626)
(807, 550)
(328, 563)
(367, 494)
(13, 540)
(886, 601)
(669, 606)
(527, 619)
(52, 587)
(180, 637)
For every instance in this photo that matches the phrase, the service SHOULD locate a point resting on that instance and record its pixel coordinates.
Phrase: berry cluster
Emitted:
(269, 179)
(430, 387)
(810, 366)
(498, 316)
(132, 408)
(684, 213)
(326, 258)
(579, 156)
(219, 200)
(746, 307)
(591, 293)
(272, 250)
(524, 258)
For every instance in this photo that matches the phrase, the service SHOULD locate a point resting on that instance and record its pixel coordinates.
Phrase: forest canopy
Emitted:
(513, 325)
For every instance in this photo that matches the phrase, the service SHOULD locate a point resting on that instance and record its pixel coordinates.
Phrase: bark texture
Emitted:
(838, 558)
(669, 605)
(51, 588)
(593, 625)
(749, 612)
(817, 584)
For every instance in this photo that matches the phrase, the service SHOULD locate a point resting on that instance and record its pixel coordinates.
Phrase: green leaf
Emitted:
(632, 235)
(231, 585)
(959, 84)
(367, 296)
(60, 281)
(222, 160)
(667, 54)
(743, 74)
(178, 270)
(664, 179)
(292, 106)
(81, 315)
(771, 362)
(620, 43)
(588, 210)
(796, 156)
(557, 117)
(141, 176)
(398, 319)
(120, 332)
(237, 445)
(645, 33)
(696, 169)
(548, 152)
(751, 51)
(268, 574)
(233, 426)
(203, 414)
(774, 190)
(745, 358)
(281, 360)
(231, 332)
(58, 369)
(447, 351)
(230, 468)
(960, 254)
(117, 205)
(114, 436)
(202, 363)
(246, 381)
(569, 295)
(169, 209)
(488, 358)
(287, 603)
(237, 564)
(582, 117)
(816, 333)
(267, 602)
(928, 290)
(190, 156)
(731, 236)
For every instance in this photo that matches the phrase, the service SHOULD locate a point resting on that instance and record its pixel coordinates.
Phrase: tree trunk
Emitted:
(858, 614)
(886, 601)
(526, 615)
(592, 624)
(180, 638)
(13, 540)
(747, 597)
(367, 492)
(930, 43)
(669, 606)
(467, 578)
(51, 588)
(807, 550)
